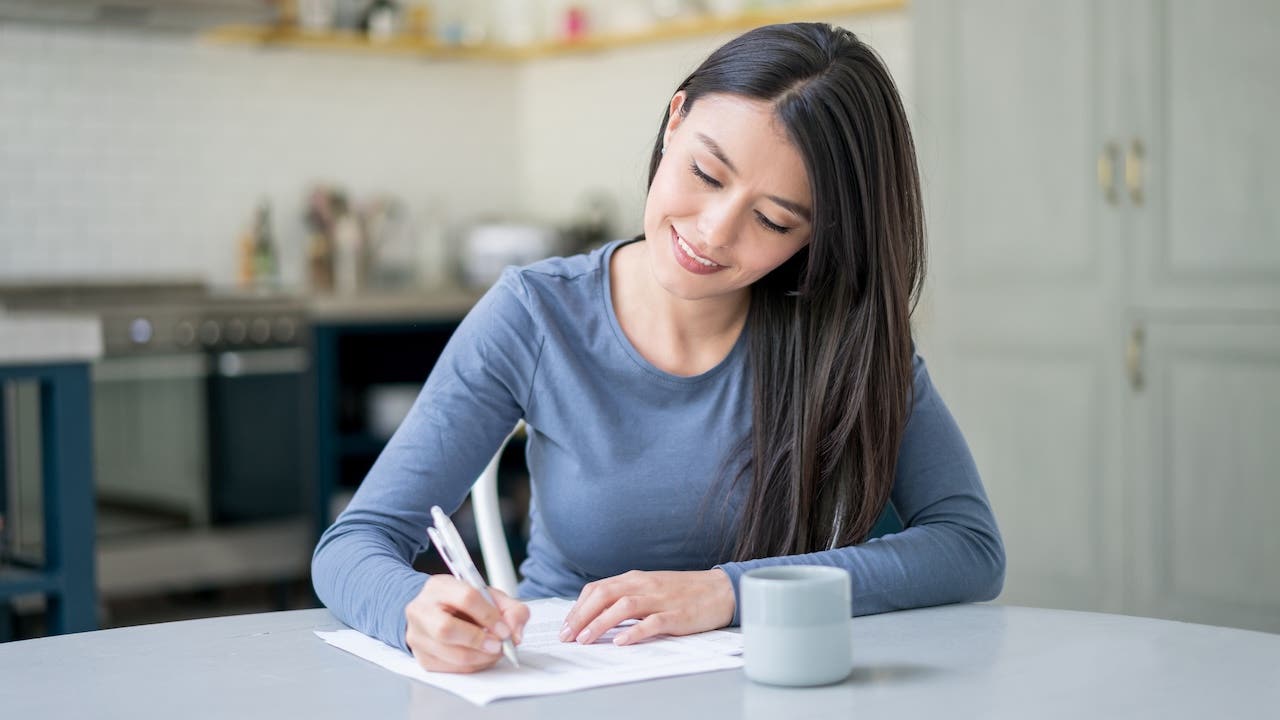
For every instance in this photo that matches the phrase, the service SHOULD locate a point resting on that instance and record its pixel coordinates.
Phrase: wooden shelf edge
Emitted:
(350, 41)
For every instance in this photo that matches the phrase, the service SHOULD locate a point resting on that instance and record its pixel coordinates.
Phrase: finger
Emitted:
(594, 598)
(434, 654)
(624, 608)
(466, 600)
(461, 656)
(438, 657)
(514, 612)
(660, 623)
(449, 629)
(426, 617)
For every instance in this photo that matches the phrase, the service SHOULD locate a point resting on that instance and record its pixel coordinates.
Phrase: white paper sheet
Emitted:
(548, 666)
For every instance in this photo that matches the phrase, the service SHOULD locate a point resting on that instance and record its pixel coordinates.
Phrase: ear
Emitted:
(675, 116)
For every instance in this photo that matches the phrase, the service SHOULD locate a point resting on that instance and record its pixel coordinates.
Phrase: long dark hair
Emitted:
(830, 335)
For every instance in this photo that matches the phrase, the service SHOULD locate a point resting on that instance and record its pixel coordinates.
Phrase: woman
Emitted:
(736, 387)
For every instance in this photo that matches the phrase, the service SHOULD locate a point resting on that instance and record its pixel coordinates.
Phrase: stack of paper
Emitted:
(549, 666)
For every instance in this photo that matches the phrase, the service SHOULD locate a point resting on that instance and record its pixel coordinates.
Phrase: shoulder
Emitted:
(922, 384)
(562, 271)
(556, 286)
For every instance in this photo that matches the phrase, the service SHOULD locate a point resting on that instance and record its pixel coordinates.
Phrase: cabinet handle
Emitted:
(1107, 172)
(1133, 171)
(1133, 357)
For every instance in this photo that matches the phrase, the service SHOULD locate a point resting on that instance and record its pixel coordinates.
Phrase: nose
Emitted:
(718, 224)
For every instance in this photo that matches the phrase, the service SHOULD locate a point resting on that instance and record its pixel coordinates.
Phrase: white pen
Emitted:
(450, 546)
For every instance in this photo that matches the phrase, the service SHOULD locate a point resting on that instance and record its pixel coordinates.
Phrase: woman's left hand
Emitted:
(665, 603)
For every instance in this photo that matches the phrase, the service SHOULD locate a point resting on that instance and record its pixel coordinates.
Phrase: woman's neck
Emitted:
(684, 337)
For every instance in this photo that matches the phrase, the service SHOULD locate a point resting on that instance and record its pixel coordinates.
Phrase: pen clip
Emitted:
(442, 548)
(458, 560)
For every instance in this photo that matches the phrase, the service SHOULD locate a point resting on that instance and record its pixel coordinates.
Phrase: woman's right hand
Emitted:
(451, 628)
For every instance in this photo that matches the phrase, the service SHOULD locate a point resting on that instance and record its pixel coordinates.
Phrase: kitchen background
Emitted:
(128, 154)
(212, 196)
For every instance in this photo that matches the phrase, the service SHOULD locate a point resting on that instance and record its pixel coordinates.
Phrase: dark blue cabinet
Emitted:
(66, 575)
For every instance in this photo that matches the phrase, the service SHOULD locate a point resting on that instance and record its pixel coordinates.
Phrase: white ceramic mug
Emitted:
(796, 624)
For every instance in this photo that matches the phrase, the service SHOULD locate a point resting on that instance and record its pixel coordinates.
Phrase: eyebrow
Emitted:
(715, 149)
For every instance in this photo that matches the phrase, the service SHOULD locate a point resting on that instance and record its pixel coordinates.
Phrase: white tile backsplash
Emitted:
(133, 155)
(143, 155)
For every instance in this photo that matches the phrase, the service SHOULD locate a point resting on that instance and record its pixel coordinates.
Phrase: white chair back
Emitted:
(499, 569)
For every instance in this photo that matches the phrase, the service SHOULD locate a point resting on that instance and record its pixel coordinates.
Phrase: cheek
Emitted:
(667, 196)
(769, 259)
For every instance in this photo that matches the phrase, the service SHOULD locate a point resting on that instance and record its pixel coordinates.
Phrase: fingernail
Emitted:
(492, 646)
(564, 632)
(502, 630)
(582, 636)
(621, 639)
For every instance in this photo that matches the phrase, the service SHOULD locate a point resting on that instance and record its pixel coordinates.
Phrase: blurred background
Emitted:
(252, 226)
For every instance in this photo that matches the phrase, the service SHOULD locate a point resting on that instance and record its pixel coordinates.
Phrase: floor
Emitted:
(27, 619)
(154, 569)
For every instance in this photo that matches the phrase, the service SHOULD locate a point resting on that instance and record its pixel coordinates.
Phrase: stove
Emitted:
(199, 403)
(159, 318)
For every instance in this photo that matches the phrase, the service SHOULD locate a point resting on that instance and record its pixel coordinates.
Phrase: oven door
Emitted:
(150, 434)
(256, 434)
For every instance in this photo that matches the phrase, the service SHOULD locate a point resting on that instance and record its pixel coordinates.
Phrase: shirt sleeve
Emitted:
(950, 549)
(362, 566)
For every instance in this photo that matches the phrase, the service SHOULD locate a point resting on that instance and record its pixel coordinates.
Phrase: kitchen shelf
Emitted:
(351, 41)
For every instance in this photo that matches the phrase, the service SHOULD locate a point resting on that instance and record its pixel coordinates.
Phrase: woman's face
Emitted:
(730, 200)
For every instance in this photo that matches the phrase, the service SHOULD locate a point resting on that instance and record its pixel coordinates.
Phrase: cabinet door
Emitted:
(1206, 104)
(1207, 461)
(1026, 270)
(1206, 230)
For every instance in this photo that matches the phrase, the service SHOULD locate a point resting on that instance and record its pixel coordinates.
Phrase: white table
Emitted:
(962, 661)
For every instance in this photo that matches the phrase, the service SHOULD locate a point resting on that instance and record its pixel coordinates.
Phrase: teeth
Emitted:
(689, 251)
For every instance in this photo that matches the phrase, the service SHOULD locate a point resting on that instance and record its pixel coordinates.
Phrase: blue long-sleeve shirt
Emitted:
(626, 463)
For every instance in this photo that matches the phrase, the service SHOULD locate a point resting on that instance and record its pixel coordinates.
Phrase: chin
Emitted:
(672, 278)
(681, 284)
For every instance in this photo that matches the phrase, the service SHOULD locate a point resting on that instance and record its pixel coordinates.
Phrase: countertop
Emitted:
(52, 299)
(441, 304)
(28, 338)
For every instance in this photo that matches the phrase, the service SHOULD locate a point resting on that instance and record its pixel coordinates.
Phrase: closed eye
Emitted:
(770, 225)
(705, 178)
(711, 182)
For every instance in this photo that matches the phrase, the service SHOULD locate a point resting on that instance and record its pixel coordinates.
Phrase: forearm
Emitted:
(366, 581)
(925, 565)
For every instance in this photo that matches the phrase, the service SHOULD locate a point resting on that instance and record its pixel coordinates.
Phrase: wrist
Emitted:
(723, 597)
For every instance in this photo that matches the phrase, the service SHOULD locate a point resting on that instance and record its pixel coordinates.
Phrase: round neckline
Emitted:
(739, 345)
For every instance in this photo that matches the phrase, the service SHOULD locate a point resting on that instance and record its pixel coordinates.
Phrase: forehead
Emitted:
(752, 137)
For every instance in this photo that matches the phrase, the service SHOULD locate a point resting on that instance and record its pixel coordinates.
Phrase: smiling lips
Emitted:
(690, 260)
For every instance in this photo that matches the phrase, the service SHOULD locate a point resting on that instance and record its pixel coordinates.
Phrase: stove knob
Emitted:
(210, 332)
(260, 331)
(236, 331)
(184, 333)
(141, 331)
(286, 330)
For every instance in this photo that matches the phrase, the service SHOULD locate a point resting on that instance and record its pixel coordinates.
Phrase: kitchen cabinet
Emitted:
(1100, 183)
(360, 345)
(52, 355)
